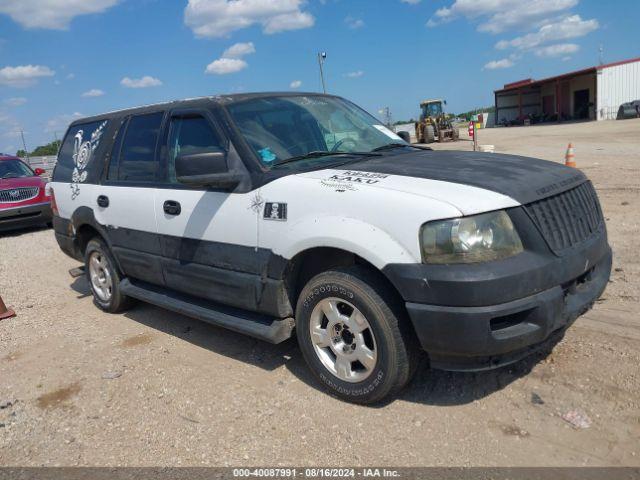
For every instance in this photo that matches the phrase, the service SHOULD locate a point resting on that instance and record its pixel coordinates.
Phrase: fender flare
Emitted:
(84, 216)
(367, 241)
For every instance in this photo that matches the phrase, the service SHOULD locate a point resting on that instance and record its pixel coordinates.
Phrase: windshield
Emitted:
(295, 127)
(432, 109)
(14, 169)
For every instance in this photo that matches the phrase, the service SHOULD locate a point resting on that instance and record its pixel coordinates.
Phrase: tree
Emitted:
(42, 150)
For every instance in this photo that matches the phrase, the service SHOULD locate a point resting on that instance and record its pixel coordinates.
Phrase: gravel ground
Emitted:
(149, 387)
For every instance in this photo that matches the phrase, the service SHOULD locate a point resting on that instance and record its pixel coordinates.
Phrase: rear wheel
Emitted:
(104, 277)
(354, 335)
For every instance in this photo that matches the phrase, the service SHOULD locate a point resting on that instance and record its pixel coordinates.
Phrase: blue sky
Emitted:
(60, 59)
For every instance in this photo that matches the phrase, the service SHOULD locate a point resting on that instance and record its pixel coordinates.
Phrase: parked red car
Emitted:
(25, 199)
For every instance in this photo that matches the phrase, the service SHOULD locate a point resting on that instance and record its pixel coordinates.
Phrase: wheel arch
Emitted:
(312, 261)
(87, 227)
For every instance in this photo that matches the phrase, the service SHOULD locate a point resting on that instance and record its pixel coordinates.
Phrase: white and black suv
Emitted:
(269, 213)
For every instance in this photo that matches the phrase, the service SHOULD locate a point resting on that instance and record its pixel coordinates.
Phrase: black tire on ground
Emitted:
(429, 134)
(117, 302)
(395, 345)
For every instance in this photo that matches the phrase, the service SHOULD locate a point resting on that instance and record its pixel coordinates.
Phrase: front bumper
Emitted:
(485, 337)
(25, 216)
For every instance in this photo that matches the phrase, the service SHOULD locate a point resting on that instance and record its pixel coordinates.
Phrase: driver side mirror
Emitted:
(39, 171)
(206, 169)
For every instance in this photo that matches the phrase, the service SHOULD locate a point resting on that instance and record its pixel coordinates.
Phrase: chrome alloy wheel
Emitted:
(343, 339)
(101, 279)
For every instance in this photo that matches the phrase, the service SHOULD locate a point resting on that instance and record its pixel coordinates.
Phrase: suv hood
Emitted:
(523, 179)
(469, 181)
(7, 183)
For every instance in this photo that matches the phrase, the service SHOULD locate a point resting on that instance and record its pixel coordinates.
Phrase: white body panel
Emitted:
(377, 217)
(129, 207)
(617, 84)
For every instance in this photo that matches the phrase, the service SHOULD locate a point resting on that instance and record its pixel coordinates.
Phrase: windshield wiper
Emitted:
(323, 153)
(390, 146)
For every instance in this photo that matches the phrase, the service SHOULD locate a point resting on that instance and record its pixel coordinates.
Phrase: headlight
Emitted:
(479, 238)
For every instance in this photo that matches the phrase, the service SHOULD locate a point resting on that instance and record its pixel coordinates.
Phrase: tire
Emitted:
(419, 134)
(429, 134)
(362, 313)
(104, 277)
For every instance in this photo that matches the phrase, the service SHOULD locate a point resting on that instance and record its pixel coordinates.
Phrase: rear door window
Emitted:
(138, 160)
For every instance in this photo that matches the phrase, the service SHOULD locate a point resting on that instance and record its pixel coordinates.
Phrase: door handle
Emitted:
(103, 201)
(171, 207)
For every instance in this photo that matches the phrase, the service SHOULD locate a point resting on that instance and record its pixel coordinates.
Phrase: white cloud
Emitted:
(496, 64)
(560, 50)
(23, 75)
(94, 92)
(52, 14)
(61, 122)
(356, 74)
(143, 82)
(296, 84)
(15, 101)
(225, 66)
(563, 29)
(71, 76)
(354, 23)
(411, 2)
(219, 18)
(239, 50)
(231, 60)
(500, 15)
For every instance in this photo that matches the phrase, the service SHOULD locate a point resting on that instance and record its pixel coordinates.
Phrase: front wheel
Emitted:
(104, 277)
(429, 134)
(354, 336)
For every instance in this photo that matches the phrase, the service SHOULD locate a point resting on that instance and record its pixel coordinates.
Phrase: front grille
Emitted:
(568, 218)
(19, 194)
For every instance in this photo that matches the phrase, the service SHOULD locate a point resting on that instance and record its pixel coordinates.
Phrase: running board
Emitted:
(255, 325)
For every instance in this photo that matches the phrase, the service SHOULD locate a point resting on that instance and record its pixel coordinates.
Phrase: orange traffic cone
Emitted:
(5, 312)
(569, 158)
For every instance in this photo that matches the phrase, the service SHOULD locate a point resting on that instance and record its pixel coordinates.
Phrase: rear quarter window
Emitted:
(79, 155)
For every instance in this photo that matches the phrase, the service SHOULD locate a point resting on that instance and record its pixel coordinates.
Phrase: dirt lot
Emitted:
(81, 387)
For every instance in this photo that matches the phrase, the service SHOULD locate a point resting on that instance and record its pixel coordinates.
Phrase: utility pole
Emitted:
(387, 116)
(24, 145)
(601, 54)
(322, 56)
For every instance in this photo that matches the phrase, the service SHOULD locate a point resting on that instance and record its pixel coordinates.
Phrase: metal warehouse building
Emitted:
(594, 93)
